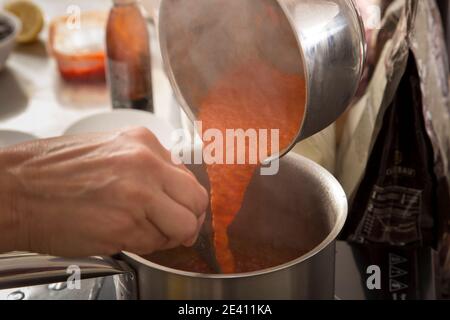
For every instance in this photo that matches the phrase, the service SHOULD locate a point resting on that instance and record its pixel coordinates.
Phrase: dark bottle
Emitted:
(129, 60)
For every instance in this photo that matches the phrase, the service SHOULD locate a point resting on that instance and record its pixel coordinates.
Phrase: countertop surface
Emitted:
(34, 99)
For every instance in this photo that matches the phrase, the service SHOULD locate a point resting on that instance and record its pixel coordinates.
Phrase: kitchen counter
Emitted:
(34, 99)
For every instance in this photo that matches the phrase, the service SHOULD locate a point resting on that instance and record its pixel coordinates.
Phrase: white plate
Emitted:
(9, 137)
(120, 119)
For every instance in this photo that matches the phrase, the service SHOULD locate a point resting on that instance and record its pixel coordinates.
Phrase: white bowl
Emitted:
(7, 44)
(124, 118)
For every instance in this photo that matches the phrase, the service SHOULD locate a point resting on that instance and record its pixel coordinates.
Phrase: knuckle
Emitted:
(140, 133)
(132, 155)
(167, 155)
(141, 153)
(144, 158)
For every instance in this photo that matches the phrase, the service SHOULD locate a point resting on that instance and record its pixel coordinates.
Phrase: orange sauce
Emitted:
(256, 96)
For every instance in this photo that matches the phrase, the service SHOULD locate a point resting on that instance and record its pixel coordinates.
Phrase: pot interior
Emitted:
(286, 216)
(204, 39)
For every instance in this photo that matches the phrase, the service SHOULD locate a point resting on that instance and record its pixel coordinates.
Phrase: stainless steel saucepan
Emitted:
(303, 206)
(322, 41)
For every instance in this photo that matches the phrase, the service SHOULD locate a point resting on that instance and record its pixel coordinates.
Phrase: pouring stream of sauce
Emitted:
(254, 96)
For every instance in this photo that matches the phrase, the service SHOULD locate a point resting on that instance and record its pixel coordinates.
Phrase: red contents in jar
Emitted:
(79, 46)
(89, 67)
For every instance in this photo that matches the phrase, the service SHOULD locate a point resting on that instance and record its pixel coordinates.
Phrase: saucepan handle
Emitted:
(20, 269)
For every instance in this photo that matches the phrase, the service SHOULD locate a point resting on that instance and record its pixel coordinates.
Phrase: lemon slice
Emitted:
(31, 17)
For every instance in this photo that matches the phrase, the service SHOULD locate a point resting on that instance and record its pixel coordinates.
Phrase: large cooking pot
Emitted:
(322, 41)
(303, 206)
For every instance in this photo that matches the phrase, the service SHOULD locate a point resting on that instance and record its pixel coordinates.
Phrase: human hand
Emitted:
(97, 194)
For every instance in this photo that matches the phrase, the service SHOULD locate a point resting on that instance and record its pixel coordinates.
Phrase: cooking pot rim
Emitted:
(341, 208)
